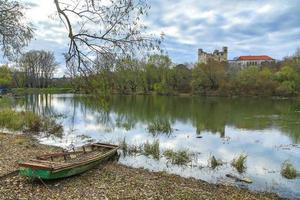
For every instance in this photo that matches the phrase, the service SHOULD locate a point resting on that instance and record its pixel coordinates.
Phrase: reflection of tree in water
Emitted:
(212, 114)
(205, 114)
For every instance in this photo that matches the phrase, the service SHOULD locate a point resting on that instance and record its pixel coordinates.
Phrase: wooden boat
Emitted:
(65, 164)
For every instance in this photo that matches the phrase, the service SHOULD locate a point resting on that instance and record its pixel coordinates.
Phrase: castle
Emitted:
(220, 56)
(241, 61)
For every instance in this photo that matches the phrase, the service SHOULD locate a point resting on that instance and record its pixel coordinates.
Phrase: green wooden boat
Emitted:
(65, 164)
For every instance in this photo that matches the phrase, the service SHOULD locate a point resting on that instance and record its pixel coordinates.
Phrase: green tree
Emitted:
(289, 80)
(208, 77)
(5, 76)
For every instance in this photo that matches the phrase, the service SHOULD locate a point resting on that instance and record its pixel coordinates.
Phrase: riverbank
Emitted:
(110, 181)
(23, 91)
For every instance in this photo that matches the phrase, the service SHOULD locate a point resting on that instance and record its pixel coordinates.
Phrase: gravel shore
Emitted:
(109, 181)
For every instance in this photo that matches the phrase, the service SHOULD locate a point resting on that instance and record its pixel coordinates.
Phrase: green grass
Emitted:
(160, 126)
(288, 171)
(239, 163)
(181, 157)
(26, 121)
(130, 149)
(213, 162)
(152, 149)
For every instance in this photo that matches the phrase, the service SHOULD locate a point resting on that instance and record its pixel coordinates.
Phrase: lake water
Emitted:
(266, 130)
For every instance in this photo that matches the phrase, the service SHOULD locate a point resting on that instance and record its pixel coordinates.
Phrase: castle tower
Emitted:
(220, 56)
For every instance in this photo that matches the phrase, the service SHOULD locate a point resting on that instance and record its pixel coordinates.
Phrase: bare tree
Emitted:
(38, 68)
(110, 28)
(15, 33)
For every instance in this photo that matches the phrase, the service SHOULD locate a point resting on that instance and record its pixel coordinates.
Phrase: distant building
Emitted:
(245, 61)
(221, 56)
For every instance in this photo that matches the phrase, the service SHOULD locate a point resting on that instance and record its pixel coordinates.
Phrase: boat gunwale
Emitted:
(63, 166)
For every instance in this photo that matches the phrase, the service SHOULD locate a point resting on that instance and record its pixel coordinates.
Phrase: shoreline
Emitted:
(108, 181)
(26, 91)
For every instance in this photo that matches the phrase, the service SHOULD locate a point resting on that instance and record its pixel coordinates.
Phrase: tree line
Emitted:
(157, 74)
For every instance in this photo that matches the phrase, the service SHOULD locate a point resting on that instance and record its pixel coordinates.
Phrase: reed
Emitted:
(152, 149)
(26, 121)
(214, 163)
(288, 171)
(160, 126)
(181, 157)
(239, 163)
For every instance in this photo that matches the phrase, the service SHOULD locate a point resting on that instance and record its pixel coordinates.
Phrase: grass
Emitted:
(124, 146)
(152, 149)
(288, 171)
(130, 149)
(159, 126)
(181, 157)
(213, 162)
(239, 163)
(26, 121)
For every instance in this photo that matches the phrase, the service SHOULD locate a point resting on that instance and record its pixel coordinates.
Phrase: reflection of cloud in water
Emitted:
(259, 145)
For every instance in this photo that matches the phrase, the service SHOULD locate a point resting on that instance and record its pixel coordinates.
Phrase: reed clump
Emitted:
(239, 163)
(27, 121)
(181, 157)
(152, 149)
(160, 126)
(288, 171)
(214, 163)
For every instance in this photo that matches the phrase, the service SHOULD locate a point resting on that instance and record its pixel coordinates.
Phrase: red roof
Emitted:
(255, 58)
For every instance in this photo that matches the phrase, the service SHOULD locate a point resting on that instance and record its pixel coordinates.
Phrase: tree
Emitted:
(208, 76)
(110, 28)
(15, 33)
(38, 68)
(181, 77)
(5, 76)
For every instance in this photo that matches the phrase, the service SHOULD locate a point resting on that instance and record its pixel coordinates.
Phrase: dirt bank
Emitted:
(110, 181)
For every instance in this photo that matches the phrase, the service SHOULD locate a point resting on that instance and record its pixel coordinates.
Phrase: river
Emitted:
(267, 130)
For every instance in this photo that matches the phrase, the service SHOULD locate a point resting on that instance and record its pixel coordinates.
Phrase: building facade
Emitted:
(220, 56)
(245, 61)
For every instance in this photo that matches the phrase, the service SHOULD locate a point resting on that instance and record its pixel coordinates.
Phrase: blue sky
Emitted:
(247, 27)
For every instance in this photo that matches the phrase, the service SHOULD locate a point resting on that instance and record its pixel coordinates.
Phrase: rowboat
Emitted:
(66, 164)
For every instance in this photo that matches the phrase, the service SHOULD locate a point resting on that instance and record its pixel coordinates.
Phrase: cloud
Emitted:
(247, 27)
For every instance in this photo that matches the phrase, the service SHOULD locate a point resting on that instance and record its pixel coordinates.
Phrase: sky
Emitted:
(246, 27)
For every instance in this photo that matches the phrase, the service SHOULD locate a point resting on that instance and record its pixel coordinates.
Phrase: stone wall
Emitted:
(221, 56)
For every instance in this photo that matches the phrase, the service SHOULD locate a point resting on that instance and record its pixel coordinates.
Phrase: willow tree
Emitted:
(15, 32)
(110, 28)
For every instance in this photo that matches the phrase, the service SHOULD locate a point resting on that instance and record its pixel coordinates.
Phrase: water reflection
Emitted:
(263, 129)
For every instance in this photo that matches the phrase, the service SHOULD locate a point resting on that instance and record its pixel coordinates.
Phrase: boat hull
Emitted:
(51, 174)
